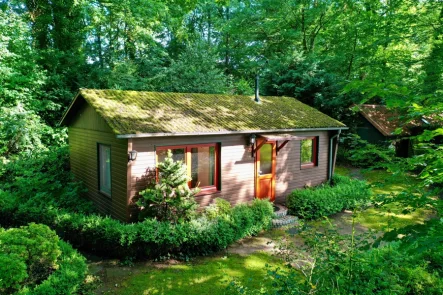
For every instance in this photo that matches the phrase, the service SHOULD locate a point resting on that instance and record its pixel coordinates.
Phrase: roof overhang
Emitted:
(281, 137)
(261, 132)
(65, 115)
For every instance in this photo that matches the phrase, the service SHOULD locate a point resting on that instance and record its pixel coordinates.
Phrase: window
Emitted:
(308, 152)
(201, 161)
(104, 163)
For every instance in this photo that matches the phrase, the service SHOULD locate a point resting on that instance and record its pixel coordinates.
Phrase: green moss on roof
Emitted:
(133, 112)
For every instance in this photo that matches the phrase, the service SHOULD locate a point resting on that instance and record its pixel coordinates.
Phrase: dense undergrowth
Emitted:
(403, 258)
(41, 189)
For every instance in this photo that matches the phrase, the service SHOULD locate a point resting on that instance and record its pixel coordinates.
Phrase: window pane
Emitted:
(202, 166)
(306, 151)
(266, 159)
(105, 169)
(177, 155)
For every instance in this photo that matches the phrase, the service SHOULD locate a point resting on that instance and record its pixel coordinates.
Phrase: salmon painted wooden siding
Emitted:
(85, 133)
(291, 176)
(237, 165)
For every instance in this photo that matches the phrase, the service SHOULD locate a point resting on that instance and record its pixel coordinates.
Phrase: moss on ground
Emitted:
(387, 217)
(204, 276)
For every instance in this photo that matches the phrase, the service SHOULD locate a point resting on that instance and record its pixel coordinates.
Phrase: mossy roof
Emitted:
(138, 112)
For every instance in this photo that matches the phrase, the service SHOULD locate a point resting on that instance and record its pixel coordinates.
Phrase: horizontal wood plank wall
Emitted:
(85, 132)
(290, 176)
(237, 165)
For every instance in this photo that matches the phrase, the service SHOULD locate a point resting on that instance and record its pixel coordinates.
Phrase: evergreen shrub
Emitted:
(34, 261)
(324, 200)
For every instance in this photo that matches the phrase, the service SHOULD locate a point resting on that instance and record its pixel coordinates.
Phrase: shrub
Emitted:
(36, 245)
(171, 199)
(43, 180)
(34, 261)
(360, 153)
(220, 208)
(67, 279)
(325, 200)
(153, 238)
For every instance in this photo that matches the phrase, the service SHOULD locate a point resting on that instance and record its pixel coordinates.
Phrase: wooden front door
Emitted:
(265, 170)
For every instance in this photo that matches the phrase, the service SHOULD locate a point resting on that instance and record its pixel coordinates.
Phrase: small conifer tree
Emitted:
(171, 198)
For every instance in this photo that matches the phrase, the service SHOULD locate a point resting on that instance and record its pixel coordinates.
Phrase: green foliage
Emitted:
(171, 199)
(324, 200)
(333, 263)
(220, 208)
(34, 245)
(12, 272)
(35, 261)
(38, 181)
(194, 71)
(360, 153)
(153, 238)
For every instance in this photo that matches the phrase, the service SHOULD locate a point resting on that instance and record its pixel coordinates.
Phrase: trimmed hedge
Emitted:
(324, 200)
(150, 238)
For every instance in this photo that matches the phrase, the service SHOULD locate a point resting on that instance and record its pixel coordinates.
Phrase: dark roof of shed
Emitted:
(138, 112)
(388, 120)
(383, 119)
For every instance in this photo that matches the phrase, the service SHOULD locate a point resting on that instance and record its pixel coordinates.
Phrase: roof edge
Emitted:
(62, 121)
(143, 135)
(375, 124)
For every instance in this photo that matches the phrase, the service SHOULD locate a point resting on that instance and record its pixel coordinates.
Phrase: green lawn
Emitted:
(204, 276)
(390, 216)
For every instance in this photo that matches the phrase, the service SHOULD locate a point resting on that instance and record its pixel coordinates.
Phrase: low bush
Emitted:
(220, 208)
(324, 200)
(34, 261)
(152, 238)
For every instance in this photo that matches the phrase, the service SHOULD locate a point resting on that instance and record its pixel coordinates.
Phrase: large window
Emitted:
(201, 161)
(104, 171)
(308, 152)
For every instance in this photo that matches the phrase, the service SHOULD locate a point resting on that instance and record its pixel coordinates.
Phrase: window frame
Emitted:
(314, 161)
(188, 147)
(99, 172)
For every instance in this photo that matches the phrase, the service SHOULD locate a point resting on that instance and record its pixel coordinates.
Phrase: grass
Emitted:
(204, 276)
(390, 216)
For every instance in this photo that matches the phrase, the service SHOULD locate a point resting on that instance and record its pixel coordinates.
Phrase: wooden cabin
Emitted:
(235, 147)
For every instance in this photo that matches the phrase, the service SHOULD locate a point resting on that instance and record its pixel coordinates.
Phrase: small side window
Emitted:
(308, 152)
(104, 158)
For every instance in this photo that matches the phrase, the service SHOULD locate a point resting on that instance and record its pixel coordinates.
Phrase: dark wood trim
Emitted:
(262, 142)
(314, 162)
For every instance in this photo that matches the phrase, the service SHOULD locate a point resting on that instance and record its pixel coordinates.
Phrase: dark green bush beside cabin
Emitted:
(325, 200)
(148, 121)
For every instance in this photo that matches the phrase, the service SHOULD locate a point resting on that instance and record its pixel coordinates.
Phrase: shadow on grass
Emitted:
(210, 275)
